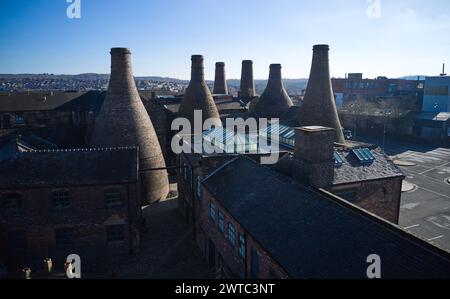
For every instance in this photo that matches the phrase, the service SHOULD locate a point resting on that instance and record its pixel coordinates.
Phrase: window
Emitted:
(199, 187)
(63, 237)
(17, 239)
(19, 119)
(242, 246)
(231, 234)
(113, 197)
(212, 211)
(221, 222)
(115, 233)
(14, 204)
(436, 90)
(61, 199)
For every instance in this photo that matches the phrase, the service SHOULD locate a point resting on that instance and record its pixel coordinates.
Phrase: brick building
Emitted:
(60, 111)
(262, 224)
(58, 202)
(359, 173)
(356, 87)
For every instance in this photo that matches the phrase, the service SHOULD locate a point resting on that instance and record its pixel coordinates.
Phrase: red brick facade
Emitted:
(380, 197)
(225, 256)
(214, 245)
(31, 233)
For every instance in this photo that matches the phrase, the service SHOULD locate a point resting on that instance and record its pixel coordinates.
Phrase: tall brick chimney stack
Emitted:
(319, 106)
(220, 81)
(198, 96)
(314, 155)
(274, 102)
(123, 121)
(247, 90)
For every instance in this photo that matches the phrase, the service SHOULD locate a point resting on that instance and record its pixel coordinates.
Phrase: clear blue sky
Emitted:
(410, 37)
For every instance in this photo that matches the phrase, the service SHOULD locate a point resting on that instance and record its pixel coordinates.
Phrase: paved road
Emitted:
(425, 211)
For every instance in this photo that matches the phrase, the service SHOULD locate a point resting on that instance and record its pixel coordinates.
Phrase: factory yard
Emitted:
(425, 209)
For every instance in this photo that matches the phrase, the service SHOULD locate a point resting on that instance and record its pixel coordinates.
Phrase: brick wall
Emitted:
(87, 218)
(233, 265)
(381, 197)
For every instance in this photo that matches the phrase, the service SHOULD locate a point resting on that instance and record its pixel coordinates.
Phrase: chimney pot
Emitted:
(321, 48)
(120, 51)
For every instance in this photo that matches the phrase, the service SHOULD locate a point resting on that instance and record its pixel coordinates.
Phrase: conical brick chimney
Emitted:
(319, 106)
(123, 121)
(198, 96)
(247, 90)
(274, 102)
(220, 81)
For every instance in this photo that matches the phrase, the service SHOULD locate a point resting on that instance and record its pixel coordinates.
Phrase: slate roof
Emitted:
(222, 105)
(58, 100)
(35, 101)
(353, 171)
(76, 167)
(89, 101)
(313, 235)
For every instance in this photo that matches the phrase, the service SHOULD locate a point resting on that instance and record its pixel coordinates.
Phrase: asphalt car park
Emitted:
(425, 209)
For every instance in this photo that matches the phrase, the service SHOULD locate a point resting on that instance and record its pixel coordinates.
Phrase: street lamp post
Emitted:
(386, 113)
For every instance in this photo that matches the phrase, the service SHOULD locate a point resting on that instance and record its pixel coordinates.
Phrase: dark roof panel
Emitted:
(314, 236)
(352, 170)
(36, 101)
(69, 168)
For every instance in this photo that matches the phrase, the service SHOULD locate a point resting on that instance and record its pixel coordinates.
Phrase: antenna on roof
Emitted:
(443, 70)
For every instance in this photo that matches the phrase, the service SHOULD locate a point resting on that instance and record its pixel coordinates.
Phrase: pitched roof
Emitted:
(76, 167)
(35, 101)
(353, 171)
(313, 235)
(89, 101)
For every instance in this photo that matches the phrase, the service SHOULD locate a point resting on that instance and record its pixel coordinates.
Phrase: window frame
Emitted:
(221, 222)
(242, 246)
(231, 234)
(113, 203)
(199, 187)
(56, 198)
(212, 211)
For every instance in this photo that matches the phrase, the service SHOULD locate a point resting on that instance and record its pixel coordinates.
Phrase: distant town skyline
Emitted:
(377, 37)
